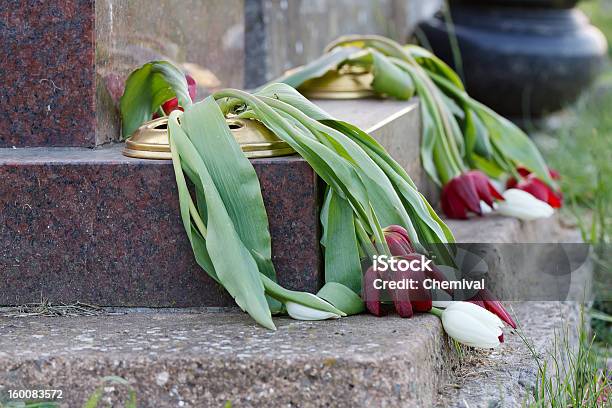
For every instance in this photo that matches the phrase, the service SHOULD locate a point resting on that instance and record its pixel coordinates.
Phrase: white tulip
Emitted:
(522, 205)
(472, 325)
(301, 312)
(485, 209)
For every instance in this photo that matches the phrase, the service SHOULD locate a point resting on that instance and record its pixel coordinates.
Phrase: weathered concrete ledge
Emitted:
(520, 255)
(206, 359)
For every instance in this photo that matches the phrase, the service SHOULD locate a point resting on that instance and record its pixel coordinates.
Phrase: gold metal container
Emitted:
(346, 83)
(150, 141)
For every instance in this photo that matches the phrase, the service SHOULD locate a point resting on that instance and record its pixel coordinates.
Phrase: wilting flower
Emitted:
(485, 299)
(536, 187)
(465, 192)
(420, 298)
(301, 312)
(371, 295)
(520, 204)
(400, 246)
(472, 325)
(401, 297)
(406, 300)
(173, 103)
(398, 240)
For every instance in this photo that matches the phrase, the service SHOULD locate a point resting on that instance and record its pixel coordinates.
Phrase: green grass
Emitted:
(600, 13)
(579, 146)
(571, 374)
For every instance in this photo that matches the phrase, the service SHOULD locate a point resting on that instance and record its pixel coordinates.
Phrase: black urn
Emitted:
(522, 58)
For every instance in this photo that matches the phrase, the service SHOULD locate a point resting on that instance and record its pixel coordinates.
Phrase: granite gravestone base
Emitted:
(81, 222)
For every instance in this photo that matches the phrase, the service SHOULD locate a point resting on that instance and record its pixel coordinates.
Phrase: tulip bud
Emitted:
(420, 298)
(524, 206)
(301, 312)
(472, 325)
(465, 192)
(173, 104)
(398, 240)
(398, 246)
(536, 187)
(398, 230)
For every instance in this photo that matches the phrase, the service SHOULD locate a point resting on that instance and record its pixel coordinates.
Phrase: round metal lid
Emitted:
(150, 141)
(342, 84)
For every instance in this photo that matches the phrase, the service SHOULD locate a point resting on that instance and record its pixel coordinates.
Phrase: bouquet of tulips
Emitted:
(464, 143)
(228, 227)
(366, 188)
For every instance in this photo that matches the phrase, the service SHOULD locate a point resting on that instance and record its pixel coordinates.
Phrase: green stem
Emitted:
(197, 219)
(407, 62)
(452, 38)
(436, 312)
(447, 137)
(364, 240)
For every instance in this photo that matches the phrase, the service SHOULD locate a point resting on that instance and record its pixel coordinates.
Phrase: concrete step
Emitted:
(204, 359)
(537, 260)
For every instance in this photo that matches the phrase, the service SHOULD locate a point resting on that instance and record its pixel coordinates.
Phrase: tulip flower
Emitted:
(484, 298)
(406, 301)
(173, 104)
(301, 312)
(398, 240)
(520, 204)
(536, 187)
(399, 245)
(464, 193)
(420, 299)
(471, 325)
(401, 297)
(371, 295)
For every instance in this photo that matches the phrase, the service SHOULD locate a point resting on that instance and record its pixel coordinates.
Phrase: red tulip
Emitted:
(406, 301)
(399, 245)
(398, 240)
(464, 193)
(401, 297)
(420, 298)
(371, 295)
(537, 188)
(485, 299)
(173, 104)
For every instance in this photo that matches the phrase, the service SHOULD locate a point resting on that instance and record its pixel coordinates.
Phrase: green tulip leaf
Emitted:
(147, 88)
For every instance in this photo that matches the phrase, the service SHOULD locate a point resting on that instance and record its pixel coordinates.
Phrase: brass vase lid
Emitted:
(150, 141)
(345, 83)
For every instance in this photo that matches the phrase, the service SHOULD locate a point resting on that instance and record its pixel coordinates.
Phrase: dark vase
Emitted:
(523, 62)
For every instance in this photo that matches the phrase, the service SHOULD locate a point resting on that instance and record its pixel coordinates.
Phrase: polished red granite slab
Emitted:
(64, 62)
(94, 226)
(47, 90)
